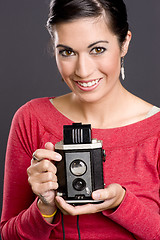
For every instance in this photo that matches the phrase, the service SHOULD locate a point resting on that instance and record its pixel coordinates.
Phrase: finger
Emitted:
(46, 154)
(41, 167)
(35, 159)
(65, 208)
(49, 146)
(47, 166)
(41, 188)
(45, 177)
(47, 197)
(74, 210)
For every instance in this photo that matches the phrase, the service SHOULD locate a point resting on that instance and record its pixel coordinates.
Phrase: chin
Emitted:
(89, 98)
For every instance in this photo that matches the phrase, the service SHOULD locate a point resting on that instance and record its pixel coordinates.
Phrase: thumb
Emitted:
(114, 193)
(107, 193)
(49, 146)
(98, 195)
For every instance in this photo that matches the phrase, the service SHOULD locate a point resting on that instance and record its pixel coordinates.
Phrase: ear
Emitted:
(125, 45)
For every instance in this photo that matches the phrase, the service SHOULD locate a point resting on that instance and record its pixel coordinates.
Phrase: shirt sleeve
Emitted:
(21, 218)
(29, 224)
(137, 218)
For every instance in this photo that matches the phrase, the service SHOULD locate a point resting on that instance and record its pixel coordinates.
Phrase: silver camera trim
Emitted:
(94, 144)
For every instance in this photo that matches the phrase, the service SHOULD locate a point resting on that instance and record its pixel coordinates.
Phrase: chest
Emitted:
(134, 167)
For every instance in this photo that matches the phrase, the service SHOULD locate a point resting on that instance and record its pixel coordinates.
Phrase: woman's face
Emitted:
(88, 57)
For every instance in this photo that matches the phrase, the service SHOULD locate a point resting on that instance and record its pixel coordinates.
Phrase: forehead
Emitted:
(82, 31)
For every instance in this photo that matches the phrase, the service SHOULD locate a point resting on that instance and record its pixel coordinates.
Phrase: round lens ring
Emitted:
(78, 167)
(79, 184)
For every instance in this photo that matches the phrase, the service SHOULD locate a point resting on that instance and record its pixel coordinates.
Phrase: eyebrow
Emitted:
(64, 46)
(101, 41)
(91, 45)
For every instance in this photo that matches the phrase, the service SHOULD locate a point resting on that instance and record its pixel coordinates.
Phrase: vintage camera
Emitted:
(80, 171)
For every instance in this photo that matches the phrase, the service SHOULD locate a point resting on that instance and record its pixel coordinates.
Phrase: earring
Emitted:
(122, 69)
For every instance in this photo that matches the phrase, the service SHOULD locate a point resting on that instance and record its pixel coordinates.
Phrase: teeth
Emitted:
(88, 84)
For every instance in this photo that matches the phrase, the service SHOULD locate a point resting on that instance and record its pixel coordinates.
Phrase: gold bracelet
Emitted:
(49, 216)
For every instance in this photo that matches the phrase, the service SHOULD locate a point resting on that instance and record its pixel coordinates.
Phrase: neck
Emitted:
(103, 113)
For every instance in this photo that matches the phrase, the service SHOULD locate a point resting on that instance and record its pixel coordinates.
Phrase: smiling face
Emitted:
(88, 57)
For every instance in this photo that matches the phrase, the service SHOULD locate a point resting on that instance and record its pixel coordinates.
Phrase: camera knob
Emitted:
(94, 140)
(88, 191)
(104, 155)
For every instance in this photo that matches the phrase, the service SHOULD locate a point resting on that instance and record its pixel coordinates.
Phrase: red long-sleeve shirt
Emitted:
(132, 160)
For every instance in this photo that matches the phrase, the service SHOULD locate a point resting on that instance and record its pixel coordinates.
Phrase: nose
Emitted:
(84, 66)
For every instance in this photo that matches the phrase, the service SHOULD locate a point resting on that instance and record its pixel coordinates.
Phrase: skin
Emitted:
(87, 63)
(89, 51)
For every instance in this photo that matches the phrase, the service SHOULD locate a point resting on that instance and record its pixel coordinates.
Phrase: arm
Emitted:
(136, 217)
(21, 218)
(123, 208)
(28, 224)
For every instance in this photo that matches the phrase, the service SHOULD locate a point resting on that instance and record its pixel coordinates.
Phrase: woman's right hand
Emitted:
(42, 174)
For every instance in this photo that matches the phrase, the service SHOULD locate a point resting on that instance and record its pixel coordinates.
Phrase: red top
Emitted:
(132, 160)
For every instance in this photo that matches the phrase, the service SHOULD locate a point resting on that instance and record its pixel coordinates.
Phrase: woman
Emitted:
(90, 40)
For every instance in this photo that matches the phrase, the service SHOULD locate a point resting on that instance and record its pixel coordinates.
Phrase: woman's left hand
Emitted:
(112, 196)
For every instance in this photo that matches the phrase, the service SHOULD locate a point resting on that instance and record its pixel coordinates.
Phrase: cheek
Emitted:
(111, 65)
(66, 69)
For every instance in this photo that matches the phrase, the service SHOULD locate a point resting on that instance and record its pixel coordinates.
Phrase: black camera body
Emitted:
(80, 172)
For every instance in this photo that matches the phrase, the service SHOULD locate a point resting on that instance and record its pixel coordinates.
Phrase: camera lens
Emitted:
(79, 184)
(78, 167)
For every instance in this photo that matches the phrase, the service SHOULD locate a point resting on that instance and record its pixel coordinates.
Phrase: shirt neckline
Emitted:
(141, 122)
(124, 136)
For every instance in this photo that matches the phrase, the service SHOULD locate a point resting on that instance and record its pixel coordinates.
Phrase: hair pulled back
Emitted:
(69, 10)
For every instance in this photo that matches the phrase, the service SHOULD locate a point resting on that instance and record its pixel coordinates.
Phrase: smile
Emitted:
(89, 84)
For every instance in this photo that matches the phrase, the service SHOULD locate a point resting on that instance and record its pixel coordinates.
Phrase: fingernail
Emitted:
(96, 196)
(58, 157)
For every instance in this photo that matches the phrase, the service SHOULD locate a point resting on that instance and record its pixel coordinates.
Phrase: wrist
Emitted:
(50, 216)
(46, 209)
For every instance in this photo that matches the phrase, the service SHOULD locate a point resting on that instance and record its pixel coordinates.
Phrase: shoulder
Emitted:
(31, 111)
(137, 109)
(40, 113)
(37, 103)
(37, 106)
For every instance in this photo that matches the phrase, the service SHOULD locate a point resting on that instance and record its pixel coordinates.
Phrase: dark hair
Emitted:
(69, 10)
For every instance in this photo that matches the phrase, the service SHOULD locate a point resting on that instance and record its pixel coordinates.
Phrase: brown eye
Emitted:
(66, 53)
(98, 50)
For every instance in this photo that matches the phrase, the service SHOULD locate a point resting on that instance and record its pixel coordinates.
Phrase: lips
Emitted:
(88, 85)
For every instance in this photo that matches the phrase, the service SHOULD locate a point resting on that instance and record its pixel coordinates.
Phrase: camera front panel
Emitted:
(78, 173)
